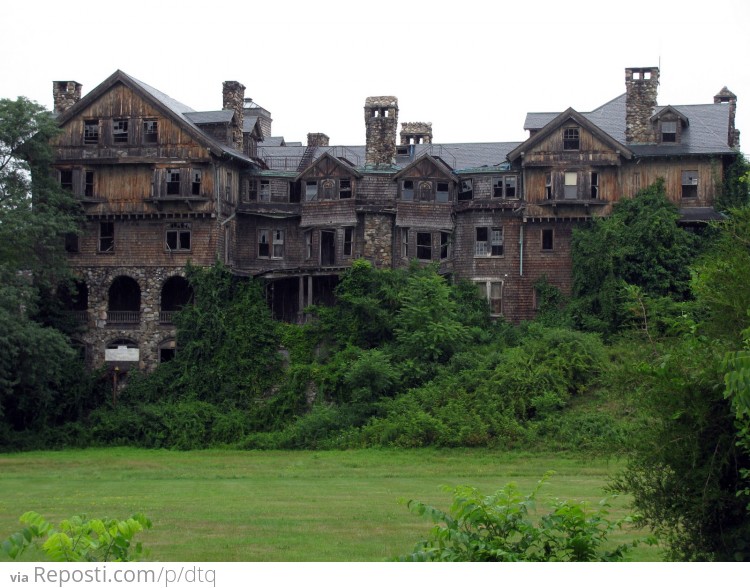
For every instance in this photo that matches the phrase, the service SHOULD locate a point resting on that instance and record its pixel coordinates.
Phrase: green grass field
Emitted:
(280, 505)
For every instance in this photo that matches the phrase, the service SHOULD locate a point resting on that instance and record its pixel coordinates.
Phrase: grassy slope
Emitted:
(275, 505)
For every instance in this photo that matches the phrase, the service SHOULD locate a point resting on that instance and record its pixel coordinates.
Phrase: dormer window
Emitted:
(571, 139)
(669, 131)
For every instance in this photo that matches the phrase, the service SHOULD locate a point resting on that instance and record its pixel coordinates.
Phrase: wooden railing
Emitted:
(123, 316)
(166, 316)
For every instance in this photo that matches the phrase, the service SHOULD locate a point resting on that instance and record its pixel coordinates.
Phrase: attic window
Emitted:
(90, 132)
(120, 130)
(669, 132)
(150, 131)
(571, 139)
(345, 188)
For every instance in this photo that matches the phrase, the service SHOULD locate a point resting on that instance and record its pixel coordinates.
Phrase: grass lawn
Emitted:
(230, 505)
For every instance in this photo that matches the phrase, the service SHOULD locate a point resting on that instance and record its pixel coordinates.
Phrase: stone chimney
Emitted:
(317, 140)
(641, 85)
(727, 97)
(65, 95)
(234, 99)
(415, 133)
(381, 122)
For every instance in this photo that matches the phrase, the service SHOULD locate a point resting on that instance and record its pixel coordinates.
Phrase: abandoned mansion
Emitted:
(162, 184)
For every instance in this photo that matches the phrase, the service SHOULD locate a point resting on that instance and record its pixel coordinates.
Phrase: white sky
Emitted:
(473, 68)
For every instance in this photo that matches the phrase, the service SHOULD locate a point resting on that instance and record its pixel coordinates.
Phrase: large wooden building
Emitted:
(162, 184)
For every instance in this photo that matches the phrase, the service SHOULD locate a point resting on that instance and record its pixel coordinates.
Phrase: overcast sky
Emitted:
(473, 68)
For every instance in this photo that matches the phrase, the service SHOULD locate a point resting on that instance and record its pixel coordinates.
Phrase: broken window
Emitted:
(88, 184)
(669, 132)
(150, 131)
(90, 132)
(442, 193)
(311, 190)
(496, 243)
(278, 244)
(308, 244)
(488, 242)
(106, 237)
(571, 185)
(424, 246)
(120, 130)
(690, 184)
(571, 139)
(66, 179)
(594, 185)
(348, 241)
(264, 191)
(345, 188)
(178, 237)
(481, 247)
(466, 189)
(511, 186)
(264, 244)
(196, 183)
(444, 245)
(173, 182)
(492, 292)
(407, 190)
(548, 239)
(405, 243)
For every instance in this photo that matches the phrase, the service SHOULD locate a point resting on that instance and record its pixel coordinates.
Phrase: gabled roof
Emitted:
(210, 117)
(426, 157)
(670, 110)
(168, 106)
(335, 160)
(562, 119)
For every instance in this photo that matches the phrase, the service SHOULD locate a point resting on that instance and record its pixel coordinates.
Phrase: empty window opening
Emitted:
(66, 179)
(120, 130)
(124, 301)
(444, 245)
(106, 237)
(442, 192)
(90, 132)
(511, 187)
(72, 243)
(348, 241)
(548, 187)
(424, 246)
(167, 351)
(690, 184)
(327, 248)
(173, 182)
(150, 131)
(88, 184)
(295, 191)
(594, 185)
(178, 237)
(345, 188)
(548, 242)
(571, 139)
(176, 293)
(264, 243)
(669, 132)
(571, 185)
(196, 183)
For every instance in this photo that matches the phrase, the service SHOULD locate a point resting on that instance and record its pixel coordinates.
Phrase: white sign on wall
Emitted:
(122, 353)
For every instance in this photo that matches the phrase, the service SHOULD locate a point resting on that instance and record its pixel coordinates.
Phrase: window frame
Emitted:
(120, 131)
(423, 248)
(668, 136)
(150, 131)
(277, 243)
(404, 243)
(547, 238)
(571, 139)
(348, 249)
(485, 289)
(91, 132)
(173, 181)
(264, 243)
(178, 230)
(106, 240)
(689, 180)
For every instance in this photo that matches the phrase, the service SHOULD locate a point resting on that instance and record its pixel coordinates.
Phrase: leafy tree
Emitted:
(734, 193)
(35, 214)
(639, 244)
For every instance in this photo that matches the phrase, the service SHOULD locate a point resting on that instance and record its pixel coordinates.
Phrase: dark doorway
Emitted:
(176, 293)
(327, 248)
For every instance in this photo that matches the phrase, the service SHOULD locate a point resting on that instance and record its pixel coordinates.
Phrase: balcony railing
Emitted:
(123, 317)
(167, 316)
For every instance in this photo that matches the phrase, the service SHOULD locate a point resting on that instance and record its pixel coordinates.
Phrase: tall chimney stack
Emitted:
(234, 99)
(65, 95)
(727, 97)
(641, 86)
(416, 133)
(381, 121)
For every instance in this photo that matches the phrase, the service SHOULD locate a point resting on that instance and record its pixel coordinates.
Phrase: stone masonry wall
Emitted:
(641, 87)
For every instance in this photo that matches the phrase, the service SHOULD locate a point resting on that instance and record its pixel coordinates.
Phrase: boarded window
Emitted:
(425, 192)
(424, 246)
(690, 184)
(571, 139)
(328, 188)
(442, 193)
(308, 244)
(407, 190)
(178, 237)
(405, 243)
(571, 185)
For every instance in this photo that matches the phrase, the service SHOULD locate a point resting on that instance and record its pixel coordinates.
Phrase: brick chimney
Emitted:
(234, 99)
(317, 140)
(641, 85)
(381, 121)
(415, 133)
(65, 95)
(727, 97)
